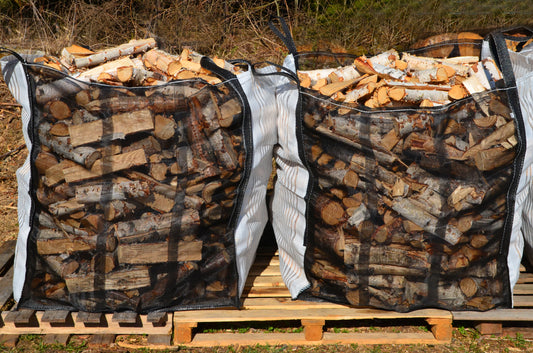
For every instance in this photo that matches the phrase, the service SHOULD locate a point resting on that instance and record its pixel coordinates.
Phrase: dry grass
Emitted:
(239, 29)
(12, 155)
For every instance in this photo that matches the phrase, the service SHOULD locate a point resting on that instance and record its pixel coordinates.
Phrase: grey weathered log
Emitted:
(83, 155)
(161, 223)
(418, 215)
(57, 89)
(122, 280)
(121, 189)
(153, 253)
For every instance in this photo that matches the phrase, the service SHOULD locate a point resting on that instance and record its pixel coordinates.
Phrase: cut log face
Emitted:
(409, 203)
(136, 187)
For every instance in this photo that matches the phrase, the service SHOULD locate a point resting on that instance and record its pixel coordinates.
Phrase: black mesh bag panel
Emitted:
(409, 207)
(135, 194)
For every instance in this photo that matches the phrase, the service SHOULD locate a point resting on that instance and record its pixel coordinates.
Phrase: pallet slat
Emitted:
(521, 301)
(494, 315)
(315, 313)
(7, 253)
(6, 290)
(244, 339)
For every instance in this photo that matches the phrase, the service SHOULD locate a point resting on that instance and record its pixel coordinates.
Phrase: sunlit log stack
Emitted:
(412, 158)
(138, 159)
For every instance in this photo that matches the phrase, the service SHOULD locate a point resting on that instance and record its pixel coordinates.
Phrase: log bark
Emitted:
(330, 211)
(105, 166)
(53, 241)
(151, 253)
(121, 189)
(156, 104)
(160, 223)
(133, 47)
(120, 280)
(60, 145)
(117, 127)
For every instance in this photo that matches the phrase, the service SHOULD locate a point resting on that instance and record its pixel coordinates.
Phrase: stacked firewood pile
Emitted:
(409, 203)
(135, 187)
(391, 80)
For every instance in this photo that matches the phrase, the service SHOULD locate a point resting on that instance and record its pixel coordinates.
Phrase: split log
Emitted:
(330, 211)
(160, 223)
(400, 256)
(169, 64)
(63, 208)
(60, 145)
(103, 263)
(117, 209)
(62, 265)
(159, 202)
(219, 260)
(335, 87)
(156, 104)
(459, 65)
(165, 128)
(150, 145)
(58, 89)
(105, 166)
(203, 154)
(137, 76)
(360, 93)
(133, 47)
(229, 113)
(425, 220)
(53, 241)
(110, 68)
(151, 253)
(224, 149)
(120, 280)
(117, 127)
(121, 189)
(331, 240)
(54, 174)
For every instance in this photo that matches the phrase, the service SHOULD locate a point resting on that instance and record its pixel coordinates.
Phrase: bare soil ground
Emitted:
(13, 152)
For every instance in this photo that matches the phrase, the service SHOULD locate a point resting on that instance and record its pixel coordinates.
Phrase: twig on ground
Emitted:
(13, 151)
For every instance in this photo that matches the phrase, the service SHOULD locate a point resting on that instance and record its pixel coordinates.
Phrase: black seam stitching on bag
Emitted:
(248, 150)
(499, 48)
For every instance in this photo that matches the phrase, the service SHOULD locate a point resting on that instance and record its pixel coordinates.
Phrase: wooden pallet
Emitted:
(504, 322)
(265, 300)
(58, 325)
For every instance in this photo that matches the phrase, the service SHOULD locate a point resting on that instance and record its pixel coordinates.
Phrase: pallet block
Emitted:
(27, 321)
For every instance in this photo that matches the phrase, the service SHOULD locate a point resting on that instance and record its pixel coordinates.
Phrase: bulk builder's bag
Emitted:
(144, 187)
(397, 178)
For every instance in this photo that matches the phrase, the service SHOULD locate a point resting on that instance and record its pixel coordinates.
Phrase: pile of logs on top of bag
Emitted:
(135, 186)
(410, 204)
(137, 63)
(391, 79)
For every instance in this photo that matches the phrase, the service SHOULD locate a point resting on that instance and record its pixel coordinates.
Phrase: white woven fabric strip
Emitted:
(15, 78)
(254, 214)
(288, 203)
